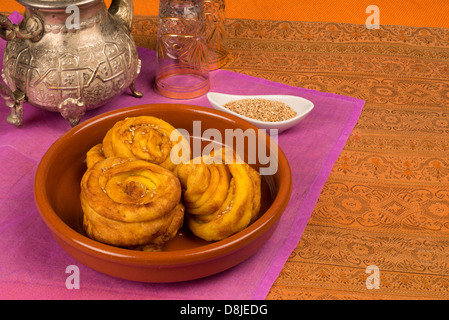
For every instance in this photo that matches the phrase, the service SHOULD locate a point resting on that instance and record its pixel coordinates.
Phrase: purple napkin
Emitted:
(33, 265)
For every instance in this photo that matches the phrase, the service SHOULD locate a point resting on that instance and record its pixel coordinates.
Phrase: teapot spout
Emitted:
(123, 11)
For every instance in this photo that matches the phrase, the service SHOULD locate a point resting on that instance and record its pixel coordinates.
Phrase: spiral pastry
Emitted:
(220, 198)
(147, 138)
(131, 203)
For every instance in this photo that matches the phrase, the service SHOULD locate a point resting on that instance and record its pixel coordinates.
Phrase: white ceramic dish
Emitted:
(302, 107)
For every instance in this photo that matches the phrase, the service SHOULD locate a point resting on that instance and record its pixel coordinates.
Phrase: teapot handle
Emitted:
(123, 10)
(10, 31)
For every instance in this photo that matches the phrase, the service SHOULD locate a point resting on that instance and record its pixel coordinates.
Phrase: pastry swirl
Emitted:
(220, 198)
(147, 138)
(131, 203)
(94, 155)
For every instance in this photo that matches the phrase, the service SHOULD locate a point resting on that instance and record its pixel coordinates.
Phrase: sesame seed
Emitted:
(262, 109)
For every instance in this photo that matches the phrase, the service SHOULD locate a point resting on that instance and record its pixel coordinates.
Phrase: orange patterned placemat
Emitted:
(386, 202)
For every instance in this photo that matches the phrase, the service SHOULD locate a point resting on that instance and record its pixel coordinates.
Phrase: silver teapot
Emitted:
(68, 56)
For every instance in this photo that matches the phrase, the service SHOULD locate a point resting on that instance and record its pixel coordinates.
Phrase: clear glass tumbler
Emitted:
(182, 55)
(215, 33)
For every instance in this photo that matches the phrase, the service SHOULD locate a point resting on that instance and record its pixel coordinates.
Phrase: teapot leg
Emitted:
(14, 100)
(72, 110)
(16, 116)
(134, 92)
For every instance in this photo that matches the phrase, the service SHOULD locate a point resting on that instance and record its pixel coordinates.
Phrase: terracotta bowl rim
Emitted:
(61, 231)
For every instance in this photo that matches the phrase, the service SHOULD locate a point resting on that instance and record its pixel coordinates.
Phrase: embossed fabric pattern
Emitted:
(386, 202)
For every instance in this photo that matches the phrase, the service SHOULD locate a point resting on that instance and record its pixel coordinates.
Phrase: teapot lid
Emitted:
(54, 4)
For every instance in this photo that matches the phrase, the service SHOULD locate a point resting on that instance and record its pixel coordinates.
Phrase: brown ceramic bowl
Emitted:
(57, 189)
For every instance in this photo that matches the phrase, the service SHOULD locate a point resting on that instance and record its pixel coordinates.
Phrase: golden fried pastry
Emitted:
(147, 138)
(220, 198)
(131, 203)
(94, 155)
